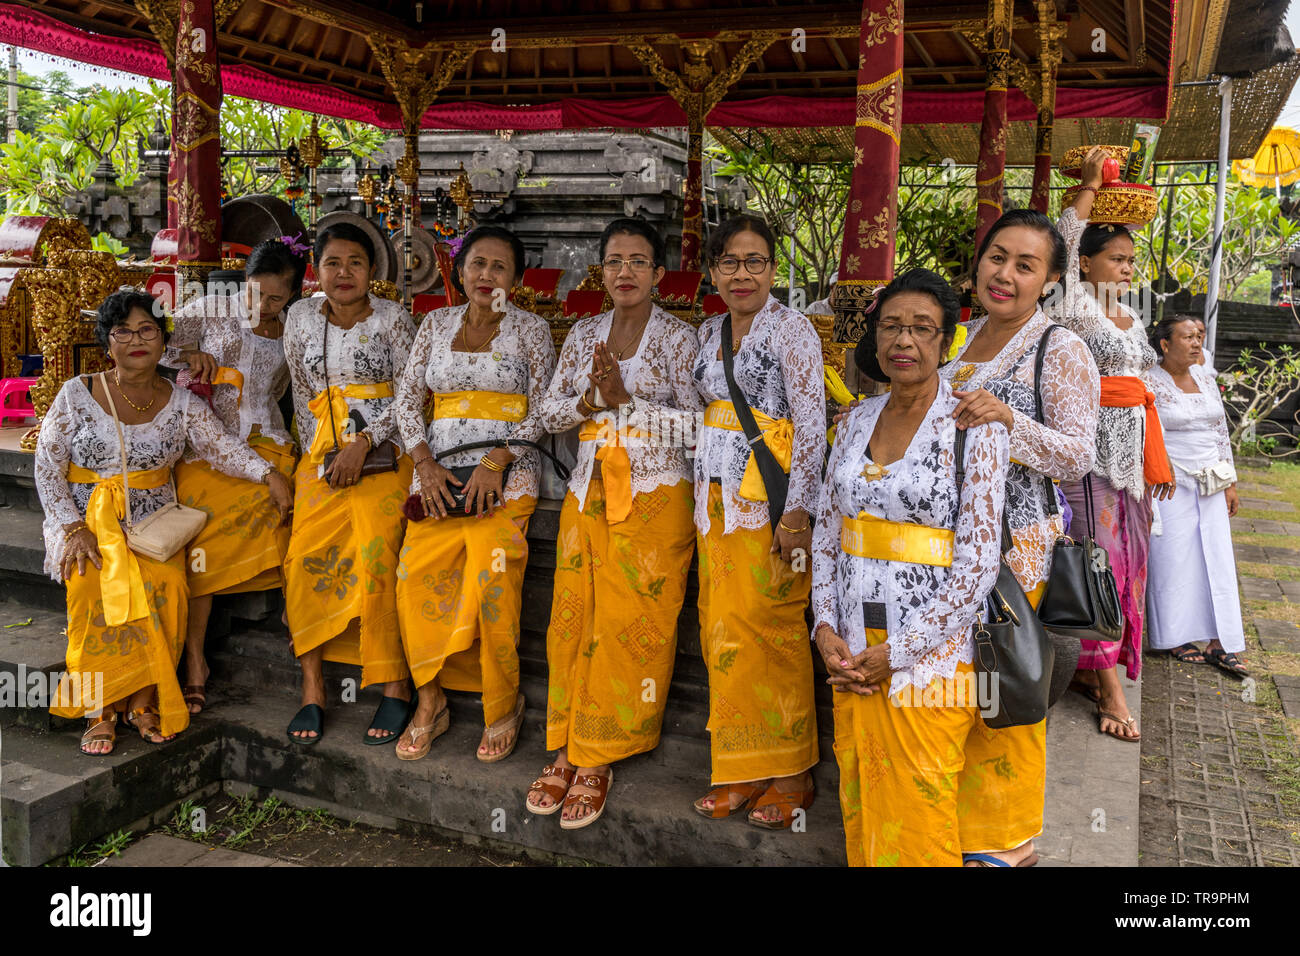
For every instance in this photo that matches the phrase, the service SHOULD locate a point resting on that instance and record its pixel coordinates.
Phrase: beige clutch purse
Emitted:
(160, 535)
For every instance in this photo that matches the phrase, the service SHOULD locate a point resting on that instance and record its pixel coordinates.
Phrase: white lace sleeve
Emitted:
(683, 420)
(408, 406)
(50, 469)
(295, 350)
(558, 410)
(1209, 384)
(825, 545)
(187, 331)
(540, 349)
(1065, 445)
(216, 446)
(976, 552)
(1078, 310)
(799, 352)
(398, 336)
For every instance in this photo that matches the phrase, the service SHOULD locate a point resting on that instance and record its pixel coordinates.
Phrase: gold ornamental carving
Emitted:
(413, 74)
(699, 88)
(55, 321)
(190, 213)
(311, 147)
(96, 274)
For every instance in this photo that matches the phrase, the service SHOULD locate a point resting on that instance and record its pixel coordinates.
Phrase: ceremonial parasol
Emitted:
(1276, 163)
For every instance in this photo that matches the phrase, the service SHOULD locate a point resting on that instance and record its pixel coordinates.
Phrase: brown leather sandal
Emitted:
(195, 694)
(552, 790)
(94, 734)
(749, 794)
(596, 801)
(787, 800)
(149, 730)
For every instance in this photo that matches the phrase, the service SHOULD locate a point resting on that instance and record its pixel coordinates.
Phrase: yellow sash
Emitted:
(497, 406)
(327, 439)
(120, 582)
(870, 537)
(230, 376)
(778, 433)
(615, 466)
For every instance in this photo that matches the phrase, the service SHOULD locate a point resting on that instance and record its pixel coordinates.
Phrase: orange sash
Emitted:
(1126, 391)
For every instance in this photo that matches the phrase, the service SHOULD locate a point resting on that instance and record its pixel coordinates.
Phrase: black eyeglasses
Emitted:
(146, 333)
(754, 265)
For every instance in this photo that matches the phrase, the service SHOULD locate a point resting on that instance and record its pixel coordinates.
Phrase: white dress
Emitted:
(77, 430)
(779, 369)
(929, 610)
(1062, 447)
(219, 325)
(373, 351)
(519, 361)
(1191, 572)
(658, 377)
(1120, 431)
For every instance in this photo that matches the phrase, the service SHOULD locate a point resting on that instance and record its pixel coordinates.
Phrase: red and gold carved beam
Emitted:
(993, 128)
(1050, 34)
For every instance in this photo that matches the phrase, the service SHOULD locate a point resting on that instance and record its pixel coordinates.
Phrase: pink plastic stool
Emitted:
(23, 408)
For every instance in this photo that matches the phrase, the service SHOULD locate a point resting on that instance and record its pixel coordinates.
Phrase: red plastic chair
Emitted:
(22, 409)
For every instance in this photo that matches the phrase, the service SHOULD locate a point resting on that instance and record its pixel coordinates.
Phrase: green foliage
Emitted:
(1253, 389)
(103, 242)
(111, 845)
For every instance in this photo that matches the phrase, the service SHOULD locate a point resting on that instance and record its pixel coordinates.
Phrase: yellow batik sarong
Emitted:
(458, 601)
(132, 655)
(242, 547)
(755, 643)
(923, 780)
(342, 564)
(618, 592)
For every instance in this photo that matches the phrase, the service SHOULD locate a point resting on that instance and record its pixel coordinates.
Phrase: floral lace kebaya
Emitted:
(929, 610)
(779, 369)
(77, 430)
(519, 360)
(1196, 431)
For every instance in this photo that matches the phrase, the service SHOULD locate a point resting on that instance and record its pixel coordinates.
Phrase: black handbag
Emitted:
(1014, 656)
(463, 472)
(775, 481)
(1080, 600)
(381, 458)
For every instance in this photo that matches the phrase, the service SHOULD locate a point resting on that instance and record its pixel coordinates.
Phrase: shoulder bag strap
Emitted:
(560, 468)
(121, 444)
(959, 463)
(1052, 506)
(774, 479)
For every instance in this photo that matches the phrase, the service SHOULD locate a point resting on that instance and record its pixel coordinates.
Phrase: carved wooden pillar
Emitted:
(1050, 34)
(993, 127)
(867, 256)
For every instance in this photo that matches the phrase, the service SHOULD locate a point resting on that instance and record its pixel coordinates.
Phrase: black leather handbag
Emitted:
(412, 509)
(1014, 655)
(1080, 600)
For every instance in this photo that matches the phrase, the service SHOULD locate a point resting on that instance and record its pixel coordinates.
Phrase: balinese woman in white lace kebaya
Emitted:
(1132, 464)
(126, 611)
(754, 574)
(902, 562)
(626, 537)
(1019, 262)
(229, 346)
(1192, 581)
(488, 364)
(346, 348)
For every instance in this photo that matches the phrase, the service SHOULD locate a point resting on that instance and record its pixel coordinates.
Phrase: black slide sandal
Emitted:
(393, 714)
(310, 717)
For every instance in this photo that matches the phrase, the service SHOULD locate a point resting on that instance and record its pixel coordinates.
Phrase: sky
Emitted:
(84, 76)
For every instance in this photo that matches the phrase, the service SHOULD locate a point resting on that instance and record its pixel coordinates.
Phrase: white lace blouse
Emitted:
(658, 377)
(372, 351)
(1120, 431)
(929, 610)
(1063, 447)
(519, 361)
(1196, 429)
(77, 430)
(219, 325)
(779, 369)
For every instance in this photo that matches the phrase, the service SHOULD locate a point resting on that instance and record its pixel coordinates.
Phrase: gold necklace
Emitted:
(464, 335)
(139, 408)
(618, 353)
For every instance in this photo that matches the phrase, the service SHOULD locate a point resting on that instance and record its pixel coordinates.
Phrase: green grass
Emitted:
(111, 845)
(246, 819)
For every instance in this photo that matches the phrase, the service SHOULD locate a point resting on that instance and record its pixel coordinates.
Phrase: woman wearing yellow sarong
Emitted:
(231, 345)
(345, 350)
(459, 581)
(902, 562)
(126, 612)
(625, 537)
(754, 578)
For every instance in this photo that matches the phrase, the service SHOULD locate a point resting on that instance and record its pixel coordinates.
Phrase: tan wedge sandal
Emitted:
(441, 722)
(489, 735)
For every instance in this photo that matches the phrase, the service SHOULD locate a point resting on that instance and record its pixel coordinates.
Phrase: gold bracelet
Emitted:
(79, 527)
(590, 407)
(370, 445)
(781, 524)
(491, 465)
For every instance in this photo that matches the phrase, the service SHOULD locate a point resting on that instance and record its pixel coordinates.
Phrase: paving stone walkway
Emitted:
(159, 849)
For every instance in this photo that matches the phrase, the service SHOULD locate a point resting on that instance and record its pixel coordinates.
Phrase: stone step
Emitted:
(30, 656)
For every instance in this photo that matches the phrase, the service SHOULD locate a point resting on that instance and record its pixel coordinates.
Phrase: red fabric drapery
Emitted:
(33, 30)
(196, 140)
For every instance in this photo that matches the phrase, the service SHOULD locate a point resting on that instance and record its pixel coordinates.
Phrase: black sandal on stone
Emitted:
(392, 715)
(1227, 661)
(310, 717)
(1188, 653)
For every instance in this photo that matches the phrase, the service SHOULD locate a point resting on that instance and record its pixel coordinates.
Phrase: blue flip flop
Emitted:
(983, 858)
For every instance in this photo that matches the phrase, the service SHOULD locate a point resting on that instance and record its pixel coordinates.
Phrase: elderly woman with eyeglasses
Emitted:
(753, 560)
(126, 611)
(625, 542)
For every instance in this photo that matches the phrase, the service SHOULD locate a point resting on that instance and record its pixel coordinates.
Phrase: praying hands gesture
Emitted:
(861, 674)
(608, 376)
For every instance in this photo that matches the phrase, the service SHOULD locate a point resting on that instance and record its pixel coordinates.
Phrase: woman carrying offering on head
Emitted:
(126, 612)
(345, 350)
(488, 364)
